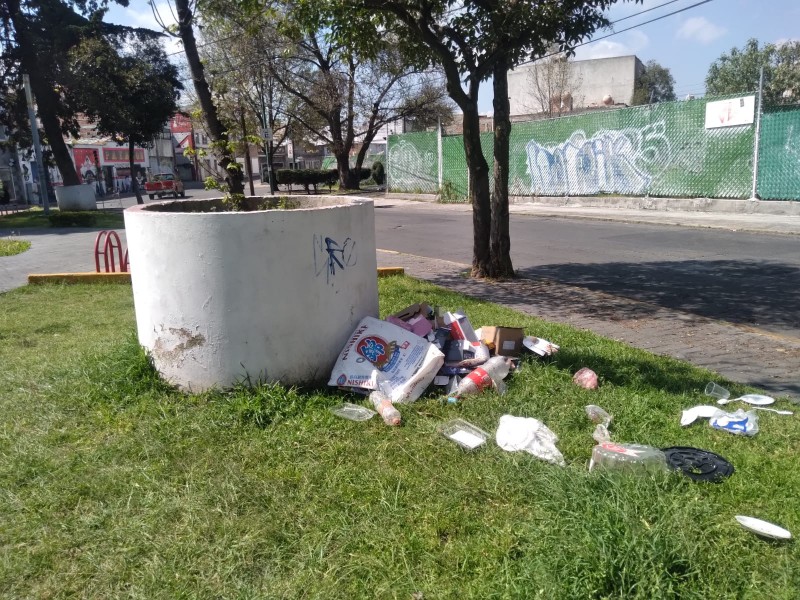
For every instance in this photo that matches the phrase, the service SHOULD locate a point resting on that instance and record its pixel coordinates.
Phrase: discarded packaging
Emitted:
(598, 415)
(586, 378)
(379, 354)
(704, 411)
(738, 423)
(529, 435)
(634, 457)
(354, 412)
(540, 346)
(463, 353)
(764, 528)
(385, 408)
(490, 374)
(464, 434)
(505, 341)
(698, 464)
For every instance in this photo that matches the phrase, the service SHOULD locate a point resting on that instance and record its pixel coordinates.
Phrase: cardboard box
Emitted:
(506, 341)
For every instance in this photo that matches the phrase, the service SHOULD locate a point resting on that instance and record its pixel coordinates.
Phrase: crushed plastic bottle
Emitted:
(491, 373)
(385, 408)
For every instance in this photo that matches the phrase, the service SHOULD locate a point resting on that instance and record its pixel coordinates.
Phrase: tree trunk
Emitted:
(215, 127)
(500, 239)
(46, 98)
(134, 182)
(478, 191)
(247, 164)
(348, 179)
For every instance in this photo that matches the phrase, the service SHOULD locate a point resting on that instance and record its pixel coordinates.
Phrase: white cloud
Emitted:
(633, 42)
(700, 30)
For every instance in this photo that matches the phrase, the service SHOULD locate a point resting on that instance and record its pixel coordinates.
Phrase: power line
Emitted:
(674, 12)
(641, 12)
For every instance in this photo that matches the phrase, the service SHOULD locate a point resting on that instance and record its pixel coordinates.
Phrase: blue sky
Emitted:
(686, 43)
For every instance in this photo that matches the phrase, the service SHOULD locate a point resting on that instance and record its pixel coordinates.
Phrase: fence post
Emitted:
(757, 135)
(439, 154)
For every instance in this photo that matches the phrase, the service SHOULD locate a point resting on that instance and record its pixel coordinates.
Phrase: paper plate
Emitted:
(755, 399)
(764, 528)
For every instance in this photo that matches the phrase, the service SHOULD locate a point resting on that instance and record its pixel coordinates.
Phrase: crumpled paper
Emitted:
(529, 435)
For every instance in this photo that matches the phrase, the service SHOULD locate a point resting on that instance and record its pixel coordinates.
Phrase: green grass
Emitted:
(11, 247)
(113, 485)
(35, 217)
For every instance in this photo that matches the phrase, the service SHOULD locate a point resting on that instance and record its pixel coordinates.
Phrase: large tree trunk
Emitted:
(500, 239)
(47, 100)
(134, 182)
(478, 191)
(215, 127)
(348, 179)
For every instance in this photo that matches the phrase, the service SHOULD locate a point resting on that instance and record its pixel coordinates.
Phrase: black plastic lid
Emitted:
(697, 464)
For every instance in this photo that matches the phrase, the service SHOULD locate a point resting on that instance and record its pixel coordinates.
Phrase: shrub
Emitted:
(72, 219)
(306, 177)
(378, 172)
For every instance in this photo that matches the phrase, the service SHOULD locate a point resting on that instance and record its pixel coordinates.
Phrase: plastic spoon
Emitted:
(779, 412)
(754, 399)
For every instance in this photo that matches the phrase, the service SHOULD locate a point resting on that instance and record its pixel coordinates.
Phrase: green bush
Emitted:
(378, 172)
(306, 177)
(72, 219)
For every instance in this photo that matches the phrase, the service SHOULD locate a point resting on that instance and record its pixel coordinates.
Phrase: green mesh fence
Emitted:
(414, 160)
(660, 150)
(779, 154)
(329, 162)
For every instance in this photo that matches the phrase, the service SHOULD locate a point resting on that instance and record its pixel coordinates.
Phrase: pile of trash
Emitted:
(395, 360)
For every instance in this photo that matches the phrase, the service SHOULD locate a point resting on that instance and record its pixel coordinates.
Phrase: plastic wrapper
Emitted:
(737, 423)
(529, 435)
(382, 356)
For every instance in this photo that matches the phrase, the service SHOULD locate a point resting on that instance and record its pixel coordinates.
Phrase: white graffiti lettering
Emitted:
(612, 161)
(410, 169)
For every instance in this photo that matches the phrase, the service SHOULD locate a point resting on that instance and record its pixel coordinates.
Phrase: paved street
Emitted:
(719, 298)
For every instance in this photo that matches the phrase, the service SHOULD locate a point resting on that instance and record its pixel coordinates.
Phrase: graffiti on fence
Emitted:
(409, 167)
(621, 161)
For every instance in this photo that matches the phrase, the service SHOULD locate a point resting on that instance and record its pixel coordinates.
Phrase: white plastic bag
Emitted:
(380, 355)
(529, 435)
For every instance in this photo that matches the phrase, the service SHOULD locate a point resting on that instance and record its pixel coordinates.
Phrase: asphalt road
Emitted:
(743, 278)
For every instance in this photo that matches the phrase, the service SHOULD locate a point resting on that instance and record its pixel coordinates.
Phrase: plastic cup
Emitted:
(717, 391)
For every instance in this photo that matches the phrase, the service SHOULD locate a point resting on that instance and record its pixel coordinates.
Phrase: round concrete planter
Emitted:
(266, 295)
(76, 197)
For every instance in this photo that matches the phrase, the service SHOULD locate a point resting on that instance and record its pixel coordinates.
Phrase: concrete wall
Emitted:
(592, 81)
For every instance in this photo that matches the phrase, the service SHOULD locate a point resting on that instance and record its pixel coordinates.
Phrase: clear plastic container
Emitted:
(464, 434)
(633, 457)
(354, 412)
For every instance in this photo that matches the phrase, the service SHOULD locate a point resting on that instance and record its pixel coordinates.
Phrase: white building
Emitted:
(587, 83)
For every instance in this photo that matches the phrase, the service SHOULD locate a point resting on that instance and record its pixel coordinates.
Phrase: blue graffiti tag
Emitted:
(329, 254)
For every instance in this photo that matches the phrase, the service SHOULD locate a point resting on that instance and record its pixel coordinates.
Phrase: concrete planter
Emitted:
(76, 197)
(268, 295)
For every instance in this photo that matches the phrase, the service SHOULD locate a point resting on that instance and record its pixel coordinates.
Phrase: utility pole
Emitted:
(248, 167)
(266, 134)
(37, 148)
(757, 135)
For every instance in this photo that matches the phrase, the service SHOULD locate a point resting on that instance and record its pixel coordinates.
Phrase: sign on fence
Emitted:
(731, 112)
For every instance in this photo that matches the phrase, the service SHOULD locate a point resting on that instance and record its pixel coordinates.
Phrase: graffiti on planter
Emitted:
(330, 255)
(410, 166)
(619, 161)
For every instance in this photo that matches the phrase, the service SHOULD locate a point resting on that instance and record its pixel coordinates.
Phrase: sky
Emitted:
(686, 43)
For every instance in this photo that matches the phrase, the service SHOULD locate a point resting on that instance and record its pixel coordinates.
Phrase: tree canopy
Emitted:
(737, 71)
(656, 84)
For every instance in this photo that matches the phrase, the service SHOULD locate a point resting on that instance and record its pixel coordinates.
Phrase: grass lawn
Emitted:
(35, 217)
(113, 485)
(10, 247)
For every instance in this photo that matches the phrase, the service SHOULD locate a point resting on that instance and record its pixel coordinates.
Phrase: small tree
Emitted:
(552, 83)
(130, 96)
(737, 71)
(656, 84)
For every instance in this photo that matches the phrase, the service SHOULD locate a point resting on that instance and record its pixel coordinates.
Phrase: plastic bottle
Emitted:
(385, 408)
(490, 373)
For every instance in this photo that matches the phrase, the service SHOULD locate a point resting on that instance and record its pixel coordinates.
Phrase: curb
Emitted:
(70, 278)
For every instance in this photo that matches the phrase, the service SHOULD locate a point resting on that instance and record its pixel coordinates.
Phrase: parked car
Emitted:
(164, 184)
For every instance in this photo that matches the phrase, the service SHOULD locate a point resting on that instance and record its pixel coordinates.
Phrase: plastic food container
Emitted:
(464, 434)
(354, 412)
(633, 457)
